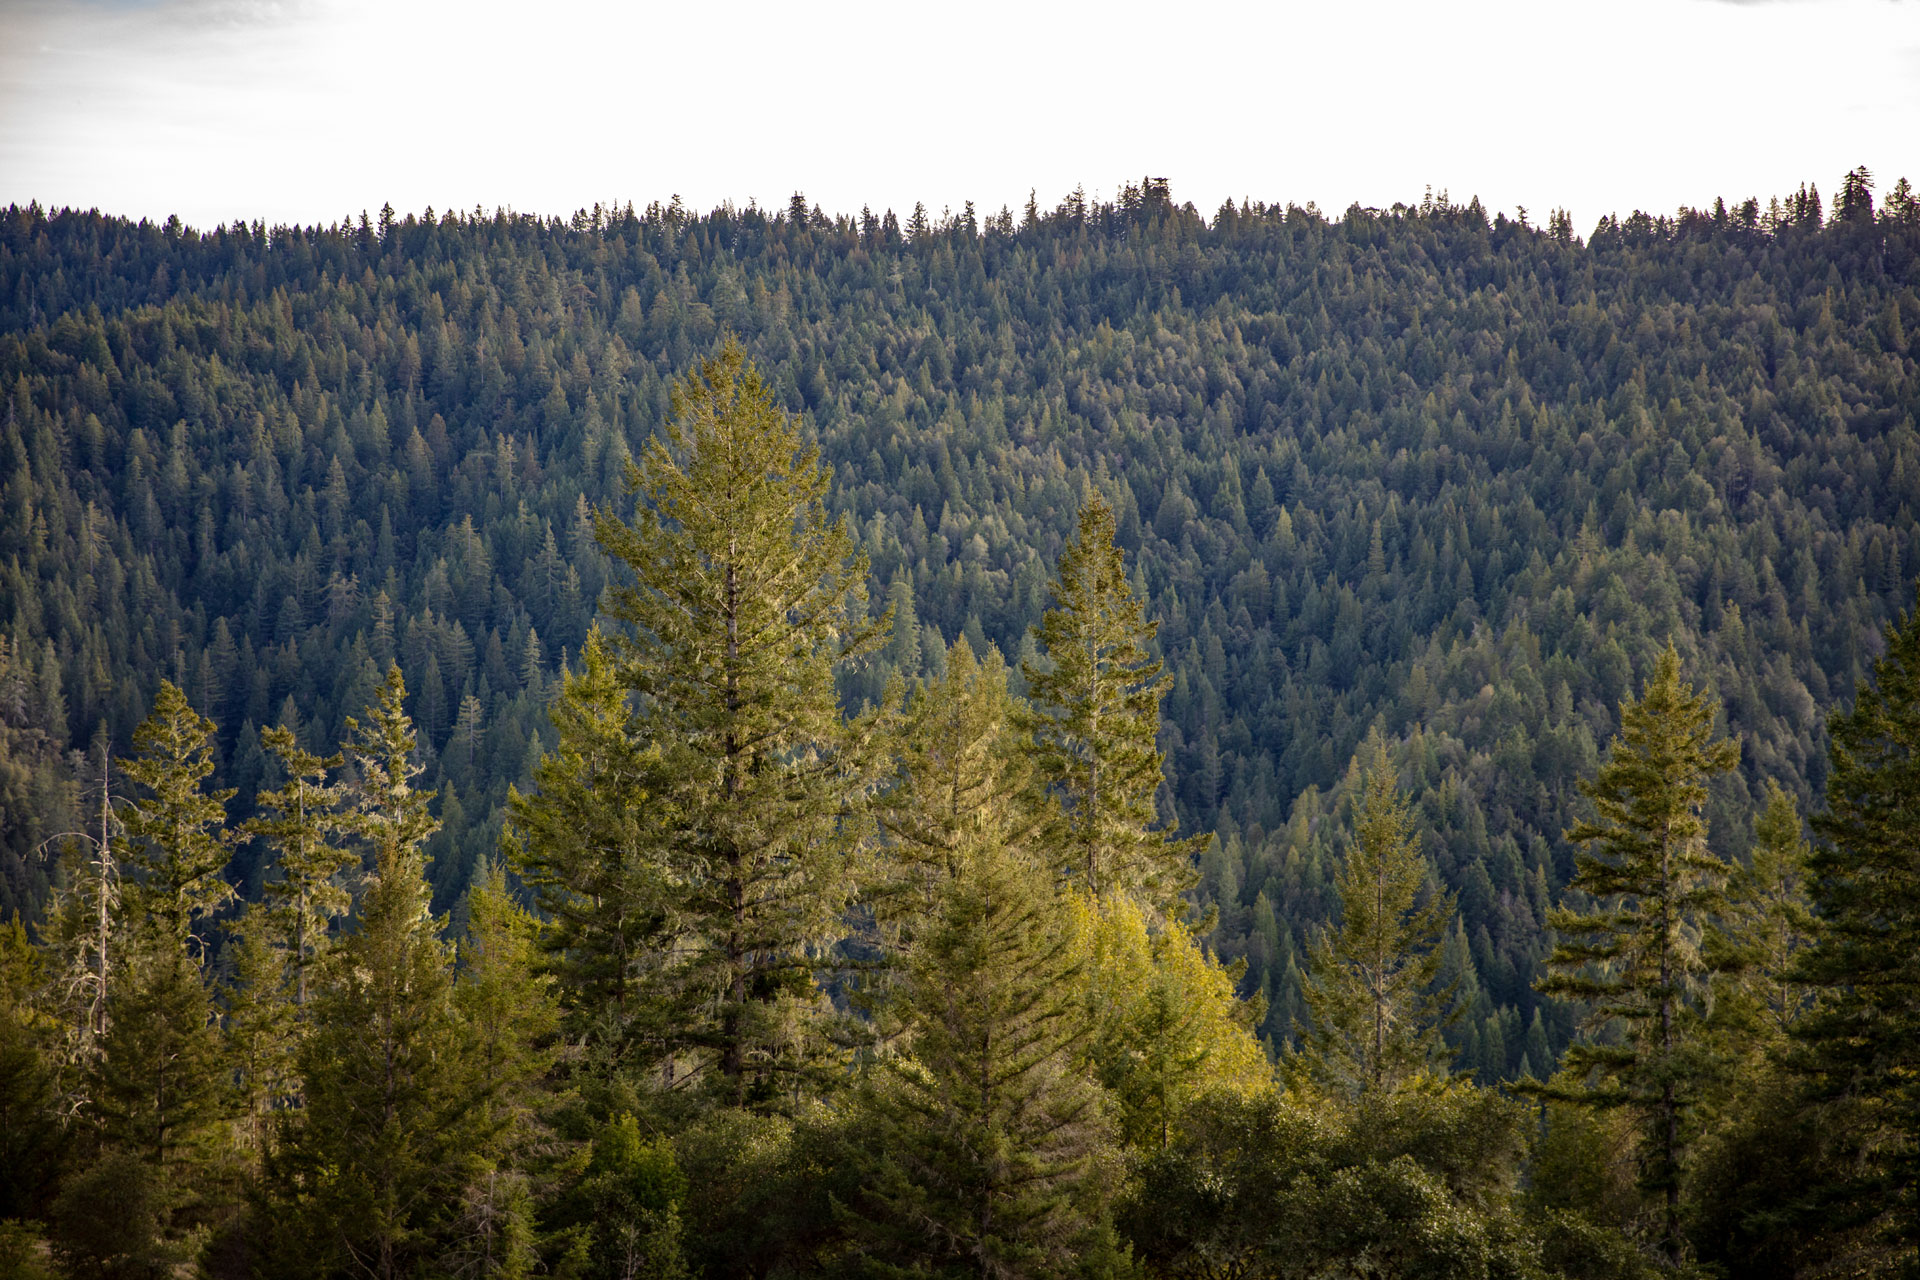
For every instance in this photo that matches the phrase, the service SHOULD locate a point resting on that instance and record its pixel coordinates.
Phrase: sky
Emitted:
(311, 110)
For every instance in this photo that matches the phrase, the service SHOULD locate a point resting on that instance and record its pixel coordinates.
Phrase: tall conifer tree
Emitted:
(986, 1140)
(961, 776)
(301, 823)
(1376, 1017)
(260, 1029)
(744, 598)
(507, 1018)
(158, 1092)
(588, 842)
(178, 828)
(1862, 1042)
(1764, 1138)
(1099, 694)
(1631, 952)
(375, 1163)
(1765, 926)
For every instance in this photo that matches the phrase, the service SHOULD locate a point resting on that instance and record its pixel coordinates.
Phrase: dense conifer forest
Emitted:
(1098, 740)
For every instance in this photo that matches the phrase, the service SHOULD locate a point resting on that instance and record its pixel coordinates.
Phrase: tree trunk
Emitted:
(1669, 1155)
(733, 1061)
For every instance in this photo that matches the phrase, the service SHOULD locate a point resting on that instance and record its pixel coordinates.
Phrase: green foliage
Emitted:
(374, 1164)
(1764, 927)
(506, 1005)
(1631, 954)
(743, 598)
(108, 1222)
(386, 810)
(36, 791)
(586, 844)
(1761, 1183)
(507, 1019)
(30, 1132)
(156, 1089)
(304, 810)
(260, 1031)
(630, 1200)
(1167, 1026)
(1414, 1183)
(987, 1145)
(761, 1189)
(1583, 1197)
(1377, 1016)
(961, 777)
(20, 1252)
(1862, 1041)
(1457, 476)
(1407, 470)
(1098, 692)
(179, 827)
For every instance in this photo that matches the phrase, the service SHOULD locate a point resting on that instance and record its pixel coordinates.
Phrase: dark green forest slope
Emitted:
(1458, 478)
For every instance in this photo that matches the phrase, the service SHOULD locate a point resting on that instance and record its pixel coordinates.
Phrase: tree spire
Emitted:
(1098, 694)
(1376, 1019)
(1631, 952)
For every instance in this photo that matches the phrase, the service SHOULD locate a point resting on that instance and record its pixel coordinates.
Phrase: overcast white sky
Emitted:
(307, 110)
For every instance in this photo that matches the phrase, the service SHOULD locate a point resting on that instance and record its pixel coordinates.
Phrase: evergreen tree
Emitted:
(985, 1141)
(587, 843)
(961, 777)
(30, 1130)
(1631, 953)
(1861, 1043)
(157, 1090)
(1099, 693)
(507, 1018)
(375, 1163)
(1376, 1017)
(902, 650)
(630, 1201)
(301, 822)
(1760, 1142)
(1167, 1027)
(260, 1030)
(744, 599)
(178, 828)
(1764, 926)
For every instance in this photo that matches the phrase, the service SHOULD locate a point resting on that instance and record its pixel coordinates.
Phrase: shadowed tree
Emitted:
(158, 1090)
(1376, 1017)
(588, 843)
(1861, 1042)
(961, 776)
(1630, 953)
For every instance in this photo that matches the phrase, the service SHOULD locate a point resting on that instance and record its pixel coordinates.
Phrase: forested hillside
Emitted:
(1461, 480)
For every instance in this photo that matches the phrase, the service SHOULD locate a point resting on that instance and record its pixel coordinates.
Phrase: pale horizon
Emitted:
(304, 112)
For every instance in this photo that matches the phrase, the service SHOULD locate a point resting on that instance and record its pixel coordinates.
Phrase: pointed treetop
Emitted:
(179, 827)
(1098, 696)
